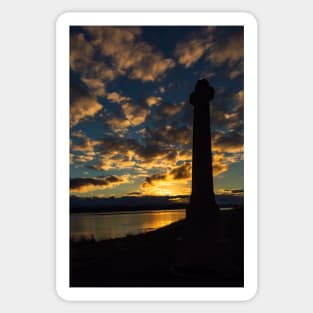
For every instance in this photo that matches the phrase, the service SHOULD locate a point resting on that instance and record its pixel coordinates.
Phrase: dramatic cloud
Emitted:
(130, 117)
(71, 158)
(134, 193)
(81, 159)
(195, 47)
(239, 100)
(118, 124)
(82, 148)
(227, 112)
(237, 70)
(151, 156)
(111, 39)
(230, 142)
(235, 118)
(136, 114)
(216, 47)
(106, 163)
(175, 181)
(116, 153)
(114, 160)
(191, 51)
(107, 144)
(153, 100)
(82, 60)
(91, 184)
(116, 97)
(122, 153)
(95, 85)
(169, 135)
(81, 53)
(129, 55)
(220, 163)
(169, 109)
(83, 105)
(82, 142)
(235, 192)
(151, 66)
(180, 172)
(227, 49)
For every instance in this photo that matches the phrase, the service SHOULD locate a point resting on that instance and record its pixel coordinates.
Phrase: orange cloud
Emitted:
(153, 100)
(82, 185)
(82, 60)
(117, 124)
(116, 97)
(121, 153)
(97, 86)
(234, 191)
(111, 39)
(129, 55)
(228, 50)
(83, 105)
(84, 146)
(114, 160)
(151, 66)
(190, 52)
(169, 135)
(135, 114)
(81, 52)
(180, 172)
(84, 158)
(239, 100)
(237, 70)
(171, 109)
(176, 181)
(84, 143)
(234, 120)
(71, 158)
(231, 142)
(161, 89)
(221, 161)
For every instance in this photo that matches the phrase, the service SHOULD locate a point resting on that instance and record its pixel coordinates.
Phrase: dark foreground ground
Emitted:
(147, 260)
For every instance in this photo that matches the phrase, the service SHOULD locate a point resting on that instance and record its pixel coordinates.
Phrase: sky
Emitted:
(130, 116)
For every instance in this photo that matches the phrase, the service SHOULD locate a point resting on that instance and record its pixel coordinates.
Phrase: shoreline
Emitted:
(144, 260)
(124, 210)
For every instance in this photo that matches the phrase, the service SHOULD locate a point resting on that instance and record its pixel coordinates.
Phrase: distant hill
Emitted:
(129, 203)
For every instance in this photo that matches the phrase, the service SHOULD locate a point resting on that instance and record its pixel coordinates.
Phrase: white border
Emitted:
(62, 156)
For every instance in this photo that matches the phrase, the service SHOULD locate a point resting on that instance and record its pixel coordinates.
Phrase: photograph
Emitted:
(156, 156)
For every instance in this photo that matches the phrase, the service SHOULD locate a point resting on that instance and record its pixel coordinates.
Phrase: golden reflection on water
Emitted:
(114, 225)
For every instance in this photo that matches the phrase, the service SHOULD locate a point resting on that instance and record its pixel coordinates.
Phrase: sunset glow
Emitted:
(130, 116)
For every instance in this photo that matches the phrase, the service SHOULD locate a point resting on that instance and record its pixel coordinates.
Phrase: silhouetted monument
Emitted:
(202, 207)
(200, 253)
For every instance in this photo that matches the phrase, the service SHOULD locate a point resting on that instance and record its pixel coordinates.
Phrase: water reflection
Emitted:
(113, 225)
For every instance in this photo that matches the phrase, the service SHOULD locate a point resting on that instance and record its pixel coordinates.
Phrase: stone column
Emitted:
(202, 207)
(201, 255)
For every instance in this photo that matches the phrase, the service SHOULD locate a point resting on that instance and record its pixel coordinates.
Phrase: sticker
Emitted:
(156, 178)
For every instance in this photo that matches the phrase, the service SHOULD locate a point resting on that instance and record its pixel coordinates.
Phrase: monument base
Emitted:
(210, 263)
(204, 253)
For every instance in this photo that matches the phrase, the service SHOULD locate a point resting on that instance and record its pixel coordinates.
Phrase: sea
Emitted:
(110, 225)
